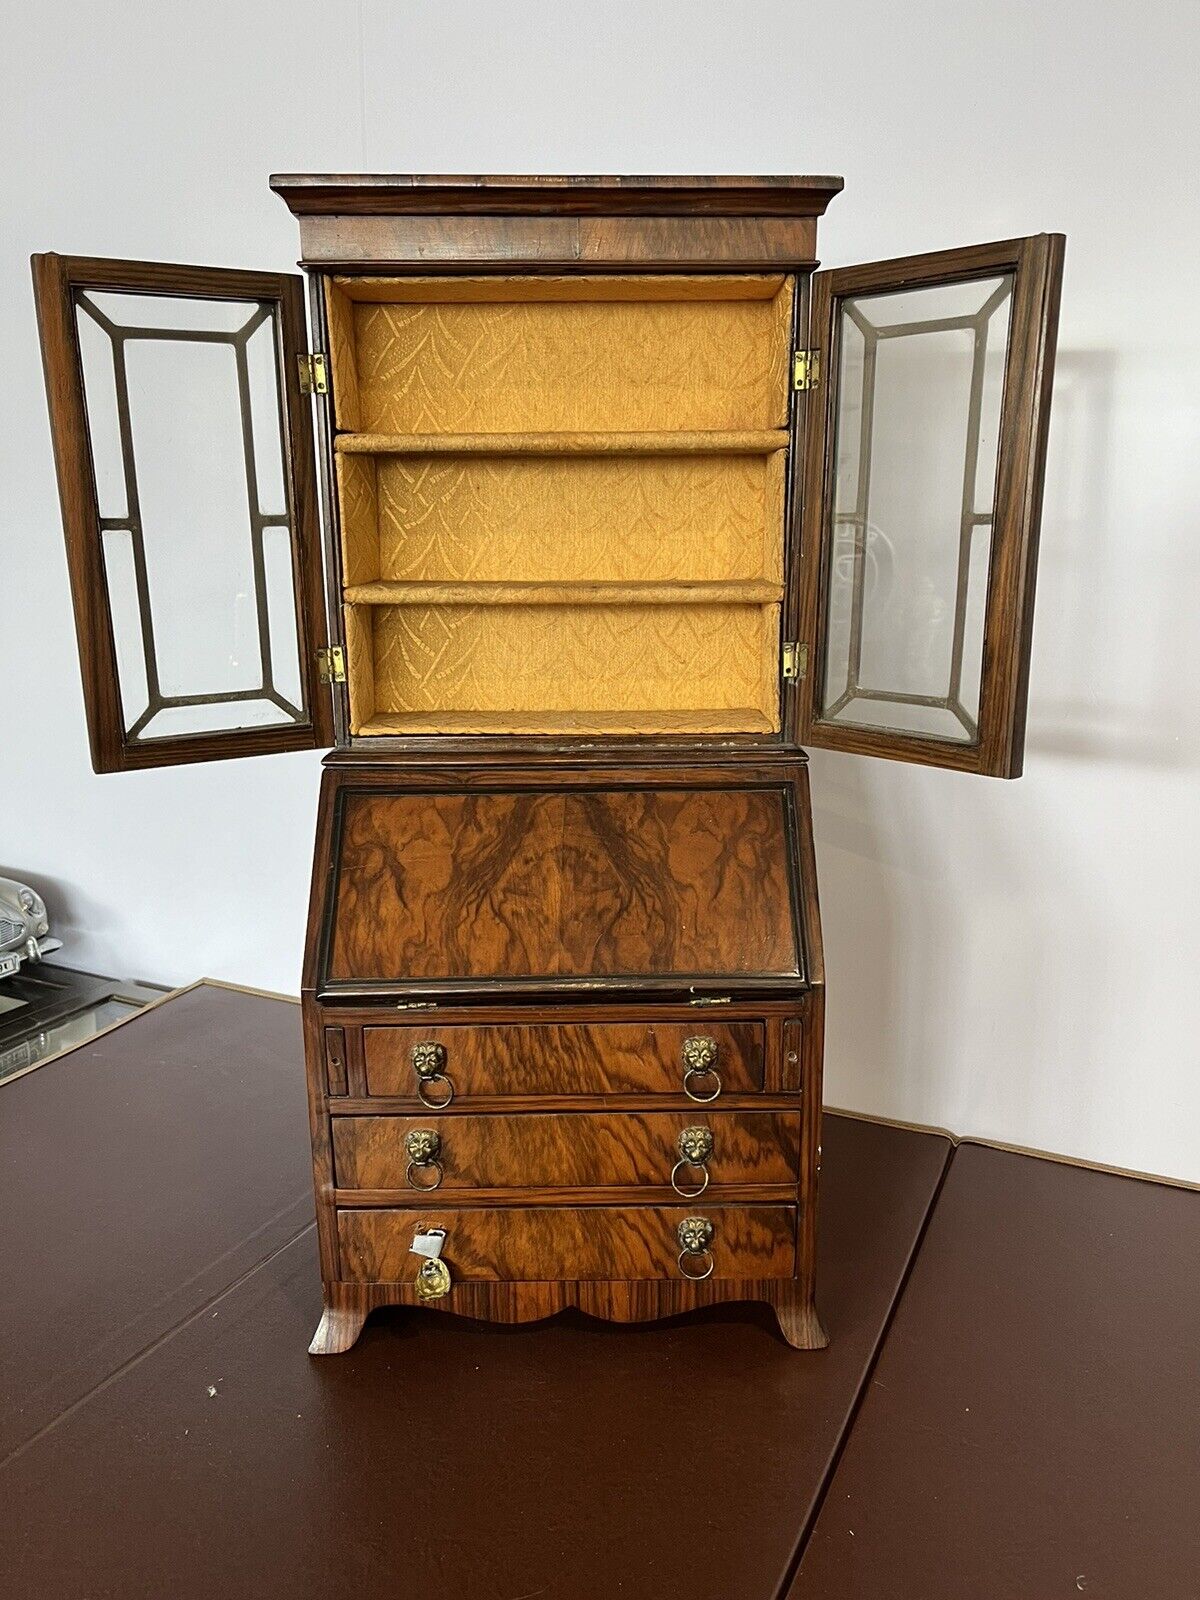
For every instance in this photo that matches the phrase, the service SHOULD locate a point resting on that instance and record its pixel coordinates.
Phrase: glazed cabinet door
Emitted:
(186, 475)
(922, 499)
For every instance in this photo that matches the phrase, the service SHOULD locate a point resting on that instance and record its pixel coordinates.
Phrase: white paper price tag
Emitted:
(429, 1243)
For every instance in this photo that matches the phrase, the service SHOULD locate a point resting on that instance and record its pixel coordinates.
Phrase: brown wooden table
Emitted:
(1032, 1427)
(162, 1431)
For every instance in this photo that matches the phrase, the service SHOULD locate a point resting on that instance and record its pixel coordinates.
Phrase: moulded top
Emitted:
(395, 194)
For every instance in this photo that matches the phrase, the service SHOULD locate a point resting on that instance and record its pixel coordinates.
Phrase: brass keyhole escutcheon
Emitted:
(433, 1280)
(429, 1064)
(695, 1238)
(700, 1069)
(695, 1146)
(422, 1146)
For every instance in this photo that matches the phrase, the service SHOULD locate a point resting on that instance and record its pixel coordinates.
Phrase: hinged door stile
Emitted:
(188, 488)
(924, 463)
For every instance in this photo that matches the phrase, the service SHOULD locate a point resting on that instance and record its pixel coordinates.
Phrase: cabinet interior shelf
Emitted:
(749, 591)
(724, 442)
(568, 724)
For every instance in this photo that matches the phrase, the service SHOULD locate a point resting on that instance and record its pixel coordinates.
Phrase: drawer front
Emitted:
(570, 1150)
(569, 1058)
(570, 1244)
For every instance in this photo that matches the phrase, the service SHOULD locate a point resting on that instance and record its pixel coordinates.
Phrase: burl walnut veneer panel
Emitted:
(564, 1058)
(564, 1243)
(636, 882)
(578, 1150)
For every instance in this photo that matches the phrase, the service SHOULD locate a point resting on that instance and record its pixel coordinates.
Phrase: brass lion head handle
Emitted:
(422, 1146)
(700, 1069)
(429, 1064)
(695, 1146)
(695, 1239)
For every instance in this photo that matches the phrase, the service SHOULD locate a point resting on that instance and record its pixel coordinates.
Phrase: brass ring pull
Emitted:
(423, 1166)
(423, 1097)
(688, 1194)
(422, 1146)
(429, 1062)
(695, 1238)
(700, 1061)
(689, 1255)
(695, 1146)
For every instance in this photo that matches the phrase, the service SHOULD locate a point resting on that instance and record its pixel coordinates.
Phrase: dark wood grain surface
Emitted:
(399, 193)
(622, 882)
(142, 1174)
(531, 1244)
(1032, 1425)
(465, 243)
(572, 1149)
(564, 1058)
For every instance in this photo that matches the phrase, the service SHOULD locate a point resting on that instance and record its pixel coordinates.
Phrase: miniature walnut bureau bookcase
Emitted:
(623, 504)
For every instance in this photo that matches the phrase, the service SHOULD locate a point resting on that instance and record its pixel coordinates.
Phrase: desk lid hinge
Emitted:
(711, 1000)
(806, 369)
(314, 375)
(331, 664)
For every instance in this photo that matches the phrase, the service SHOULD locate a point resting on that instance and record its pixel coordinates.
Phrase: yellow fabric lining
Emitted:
(640, 661)
(714, 442)
(566, 724)
(639, 287)
(614, 562)
(615, 518)
(421, 592)
(530, 363)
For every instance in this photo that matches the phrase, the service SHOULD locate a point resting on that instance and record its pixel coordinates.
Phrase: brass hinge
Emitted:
(806, 369)
(711, 1000)
(314, 376)
(795, 661)
(331, 665)
(416, 1005)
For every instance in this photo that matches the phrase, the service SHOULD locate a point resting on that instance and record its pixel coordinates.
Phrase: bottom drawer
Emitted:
(522, 1244)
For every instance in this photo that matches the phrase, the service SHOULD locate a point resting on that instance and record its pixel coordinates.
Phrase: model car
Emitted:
(24, 927)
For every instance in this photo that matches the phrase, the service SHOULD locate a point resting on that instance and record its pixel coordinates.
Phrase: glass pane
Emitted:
(920, 382)
(185, 409)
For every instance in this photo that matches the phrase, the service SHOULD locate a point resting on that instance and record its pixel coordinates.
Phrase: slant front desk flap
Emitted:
(510, 888)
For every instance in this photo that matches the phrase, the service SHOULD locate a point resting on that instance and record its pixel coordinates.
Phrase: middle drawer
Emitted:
(567, 1150)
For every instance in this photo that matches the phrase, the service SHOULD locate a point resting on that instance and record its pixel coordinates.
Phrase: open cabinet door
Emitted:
(186, 475)
(923, 476)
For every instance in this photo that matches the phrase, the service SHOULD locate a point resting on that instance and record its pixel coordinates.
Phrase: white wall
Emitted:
(1015, 960)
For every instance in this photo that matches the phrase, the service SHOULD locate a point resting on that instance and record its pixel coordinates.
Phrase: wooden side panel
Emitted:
(335, 1061)
(574, 1150)
(574, 1244)
(565, 1058)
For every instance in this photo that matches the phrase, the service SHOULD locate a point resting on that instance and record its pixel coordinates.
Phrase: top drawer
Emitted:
(566, 1059)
